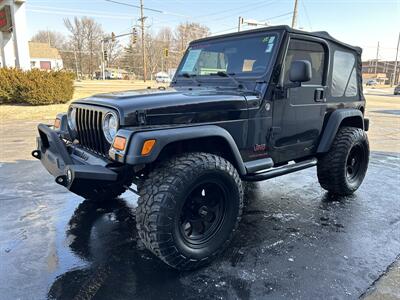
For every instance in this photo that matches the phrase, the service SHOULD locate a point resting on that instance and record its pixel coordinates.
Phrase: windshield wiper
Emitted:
(230, 76)
(191, 77)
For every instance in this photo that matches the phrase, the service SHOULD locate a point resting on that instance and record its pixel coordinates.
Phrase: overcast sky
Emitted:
(360, 23)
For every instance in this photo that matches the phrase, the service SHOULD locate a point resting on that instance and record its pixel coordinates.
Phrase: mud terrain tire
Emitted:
(189, 209)
(342, 170)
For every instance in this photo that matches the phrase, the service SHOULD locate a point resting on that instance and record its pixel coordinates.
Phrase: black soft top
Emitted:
(320, 34)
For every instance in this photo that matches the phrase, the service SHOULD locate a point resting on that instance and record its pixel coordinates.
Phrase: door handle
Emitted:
(319, 95)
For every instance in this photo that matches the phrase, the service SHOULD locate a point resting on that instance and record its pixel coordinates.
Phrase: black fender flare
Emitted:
(166, 136)
(331, 128)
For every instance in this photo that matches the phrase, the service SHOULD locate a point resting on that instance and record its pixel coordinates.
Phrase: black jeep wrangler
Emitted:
(245, 106)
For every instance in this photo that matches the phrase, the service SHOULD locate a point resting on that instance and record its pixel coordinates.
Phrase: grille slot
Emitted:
(90, 131)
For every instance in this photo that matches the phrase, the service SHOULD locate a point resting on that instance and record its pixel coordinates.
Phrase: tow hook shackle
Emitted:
(37, 154)
(62, 180)
(65, 180)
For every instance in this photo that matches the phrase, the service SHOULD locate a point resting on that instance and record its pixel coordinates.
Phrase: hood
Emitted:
(173, 105)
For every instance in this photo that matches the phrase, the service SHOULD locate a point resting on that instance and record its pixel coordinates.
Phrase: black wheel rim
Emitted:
(203, 213)
(354, 163)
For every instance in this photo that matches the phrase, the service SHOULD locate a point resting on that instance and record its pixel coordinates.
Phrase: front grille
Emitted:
(90, 131)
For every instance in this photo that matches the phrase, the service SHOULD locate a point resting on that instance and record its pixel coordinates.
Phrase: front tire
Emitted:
(342, 170)
(189, 209)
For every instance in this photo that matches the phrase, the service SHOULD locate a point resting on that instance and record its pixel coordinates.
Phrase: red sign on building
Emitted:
(5, 19)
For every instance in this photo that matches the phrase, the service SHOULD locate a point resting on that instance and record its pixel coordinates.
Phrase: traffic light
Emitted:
(134, 35)
(166, 52)
(105, 56)
(112, 36)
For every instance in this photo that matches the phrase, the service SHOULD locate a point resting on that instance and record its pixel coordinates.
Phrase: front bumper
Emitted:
(73, 168)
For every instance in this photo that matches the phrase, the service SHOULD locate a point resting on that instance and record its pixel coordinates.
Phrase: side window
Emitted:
(344, 75)
(305, 50)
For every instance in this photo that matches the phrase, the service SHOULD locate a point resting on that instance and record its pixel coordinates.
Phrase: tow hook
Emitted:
(37, 154)
(62, 180)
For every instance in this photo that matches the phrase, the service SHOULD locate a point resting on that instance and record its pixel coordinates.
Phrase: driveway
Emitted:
(295, 241)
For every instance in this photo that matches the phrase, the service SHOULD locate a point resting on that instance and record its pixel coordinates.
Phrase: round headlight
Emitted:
(110, 126)
(72, 118)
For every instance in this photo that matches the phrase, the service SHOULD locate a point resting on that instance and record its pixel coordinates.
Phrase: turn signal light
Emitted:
(119, 143)
(148, 146)
(57, 123)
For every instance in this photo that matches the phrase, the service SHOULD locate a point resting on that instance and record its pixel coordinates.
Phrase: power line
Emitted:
(273, 17)
(306, 13)
(135, 6)
(279, 16)
(250, 7)
(147, 8)
(243, 11)
(74, 10)
(66, 13)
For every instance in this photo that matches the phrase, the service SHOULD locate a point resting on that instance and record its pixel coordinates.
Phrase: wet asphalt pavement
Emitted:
(295, 241)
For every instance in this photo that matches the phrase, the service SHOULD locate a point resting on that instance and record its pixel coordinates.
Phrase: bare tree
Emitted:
(53, 38)
(93, 35)
(154, 52)
(165, 37)
(175, 41)
(77, 38)
(131, 57)
(114, 51)
(189, 31)
(85, 35)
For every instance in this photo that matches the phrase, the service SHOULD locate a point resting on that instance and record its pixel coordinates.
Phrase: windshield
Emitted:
(244, 56)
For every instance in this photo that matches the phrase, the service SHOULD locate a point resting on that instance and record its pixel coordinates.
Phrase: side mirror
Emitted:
(300, 71)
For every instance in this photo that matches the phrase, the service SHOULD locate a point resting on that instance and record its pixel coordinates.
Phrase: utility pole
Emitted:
(294, 17)
(142, 19)
(376, 60)
(48, 37)
(103, 71)
(76, 65)
(394, 81)
(240, 24)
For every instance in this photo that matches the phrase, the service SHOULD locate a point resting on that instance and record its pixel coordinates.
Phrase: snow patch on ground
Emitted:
(285, 217)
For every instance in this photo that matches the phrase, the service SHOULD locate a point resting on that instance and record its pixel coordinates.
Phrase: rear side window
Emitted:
(305, 50)
(344, 75)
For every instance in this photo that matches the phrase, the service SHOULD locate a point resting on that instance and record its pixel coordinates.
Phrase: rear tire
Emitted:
(189, 209)
(342, 170)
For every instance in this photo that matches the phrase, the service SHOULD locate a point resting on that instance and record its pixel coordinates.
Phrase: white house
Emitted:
(44, 57)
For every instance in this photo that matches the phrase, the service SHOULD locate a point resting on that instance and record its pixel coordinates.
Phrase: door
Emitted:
(298, 116)
(45, 65)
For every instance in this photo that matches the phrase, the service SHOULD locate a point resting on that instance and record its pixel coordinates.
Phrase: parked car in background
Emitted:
(371, 82)
(397, 90)
(162, 77)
